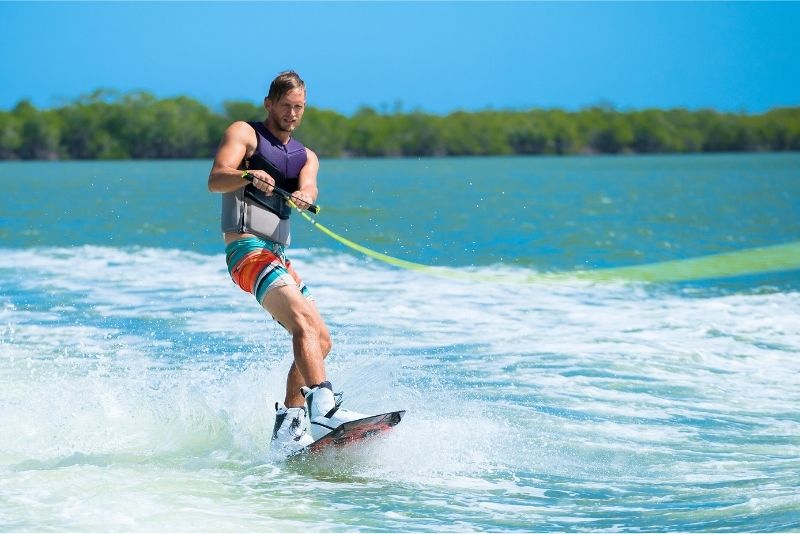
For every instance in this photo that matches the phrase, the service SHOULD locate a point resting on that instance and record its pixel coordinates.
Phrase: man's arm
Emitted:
(307, 183)
(225, 174)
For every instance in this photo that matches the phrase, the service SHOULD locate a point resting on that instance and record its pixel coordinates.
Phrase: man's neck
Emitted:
(280, 135)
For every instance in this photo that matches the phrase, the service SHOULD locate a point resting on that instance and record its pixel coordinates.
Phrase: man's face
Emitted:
(287, 112)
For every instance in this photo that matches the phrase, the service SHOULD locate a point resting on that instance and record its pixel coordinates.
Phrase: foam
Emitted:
(139, 375)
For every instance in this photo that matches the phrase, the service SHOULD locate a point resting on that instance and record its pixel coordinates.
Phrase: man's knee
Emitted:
(307, 325)
(304, 324)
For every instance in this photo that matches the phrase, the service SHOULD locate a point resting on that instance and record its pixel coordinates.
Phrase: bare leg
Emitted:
(310, 339)
(294, 381)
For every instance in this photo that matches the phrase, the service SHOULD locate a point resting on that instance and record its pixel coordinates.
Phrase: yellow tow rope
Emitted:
(757, 260)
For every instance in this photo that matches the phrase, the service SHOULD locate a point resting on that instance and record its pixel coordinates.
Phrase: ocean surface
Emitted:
(137, 382)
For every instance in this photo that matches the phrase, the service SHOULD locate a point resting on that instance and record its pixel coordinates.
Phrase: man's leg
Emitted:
(311, 341)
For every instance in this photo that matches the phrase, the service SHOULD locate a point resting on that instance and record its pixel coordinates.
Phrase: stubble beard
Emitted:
(281, 128)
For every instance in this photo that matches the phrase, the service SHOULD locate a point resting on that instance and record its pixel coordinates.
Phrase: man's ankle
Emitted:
(325, 384)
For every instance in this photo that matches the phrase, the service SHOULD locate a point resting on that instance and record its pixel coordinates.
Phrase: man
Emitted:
(252, 159)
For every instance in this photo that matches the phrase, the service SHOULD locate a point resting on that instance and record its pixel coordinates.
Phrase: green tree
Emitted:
(10, 136)
(89, 127)
(237, 110)
(107, 124)
(40, 132)
(325, 132)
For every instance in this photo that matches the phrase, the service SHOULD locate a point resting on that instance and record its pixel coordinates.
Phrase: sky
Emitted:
(437, 57)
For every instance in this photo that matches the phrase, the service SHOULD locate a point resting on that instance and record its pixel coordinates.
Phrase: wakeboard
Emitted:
(353, 432)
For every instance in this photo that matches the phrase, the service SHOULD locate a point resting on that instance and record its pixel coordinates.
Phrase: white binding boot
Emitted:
(290, 433)
(324, 409)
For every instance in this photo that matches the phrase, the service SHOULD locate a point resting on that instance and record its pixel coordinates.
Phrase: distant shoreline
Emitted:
(134, 126)
(410, 158)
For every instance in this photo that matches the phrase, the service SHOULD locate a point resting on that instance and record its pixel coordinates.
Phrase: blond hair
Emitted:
(283, 83)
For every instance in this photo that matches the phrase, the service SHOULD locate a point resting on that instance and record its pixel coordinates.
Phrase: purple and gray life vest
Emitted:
(249, 210)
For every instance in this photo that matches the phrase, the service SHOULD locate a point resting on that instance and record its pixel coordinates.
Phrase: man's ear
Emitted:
(267, 104)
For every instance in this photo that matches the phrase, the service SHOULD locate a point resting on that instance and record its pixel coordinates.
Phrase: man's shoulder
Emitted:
(241, 131)
(242, 126)
(311, 159)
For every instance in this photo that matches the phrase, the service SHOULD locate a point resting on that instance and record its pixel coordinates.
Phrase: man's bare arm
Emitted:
(225, 174)
(307, 191)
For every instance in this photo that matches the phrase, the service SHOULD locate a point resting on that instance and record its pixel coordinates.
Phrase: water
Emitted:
(137, 380)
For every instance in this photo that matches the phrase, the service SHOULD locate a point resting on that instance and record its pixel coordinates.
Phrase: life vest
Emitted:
(250, 210)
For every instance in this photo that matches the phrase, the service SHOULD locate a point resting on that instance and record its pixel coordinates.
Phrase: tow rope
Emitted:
(757, 260)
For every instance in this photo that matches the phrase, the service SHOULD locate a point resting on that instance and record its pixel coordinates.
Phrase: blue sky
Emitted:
(436, 57)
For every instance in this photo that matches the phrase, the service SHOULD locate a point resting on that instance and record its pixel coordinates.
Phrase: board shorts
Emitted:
(258, 265)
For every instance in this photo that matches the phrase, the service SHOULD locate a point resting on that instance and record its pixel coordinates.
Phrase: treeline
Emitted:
(107, 125)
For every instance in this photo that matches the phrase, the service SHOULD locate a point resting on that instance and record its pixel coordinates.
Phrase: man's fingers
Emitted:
(265, 184)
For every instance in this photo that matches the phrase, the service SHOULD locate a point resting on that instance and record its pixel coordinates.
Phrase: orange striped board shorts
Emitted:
(257, 265)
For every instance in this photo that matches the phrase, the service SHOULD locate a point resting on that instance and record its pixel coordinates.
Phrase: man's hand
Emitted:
(302, 199)
(262, 181)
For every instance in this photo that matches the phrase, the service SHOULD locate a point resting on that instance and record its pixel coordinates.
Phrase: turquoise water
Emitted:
(137, 380)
